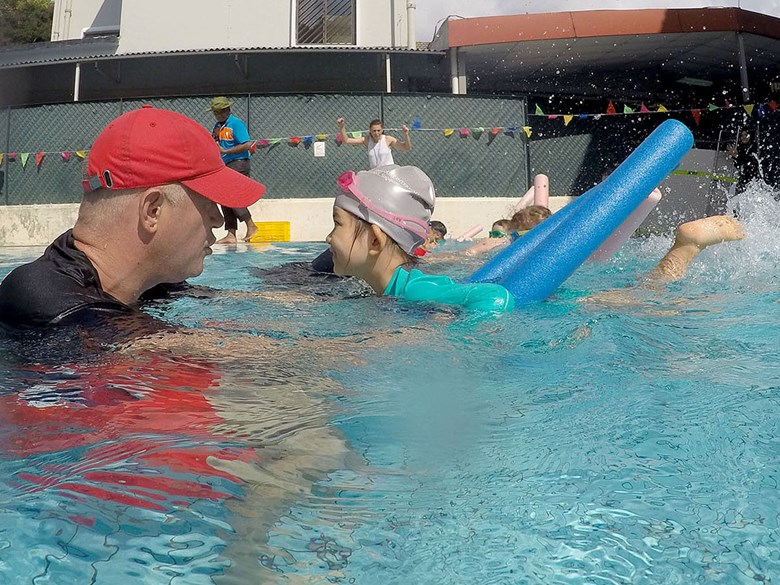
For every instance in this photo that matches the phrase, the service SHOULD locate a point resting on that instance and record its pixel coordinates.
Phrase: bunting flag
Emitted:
(321, 137)
(748, 109)
(295, 140)
(82, 154)
(627, 109)
(416, 123)
(511, 131)
(643, 109)
(39, 156)
(662, 109)
(464, 132)
(23, 158)
(1, 159)
(712, 108)
(11, 157)
(494, 131)
(696, 116)
(567, 118)
(611, 108)
(308, 140)
(772, 105)
(552, 117)
(478, 132)
(527, 130)
(65, 155)
(538, 111)
(449, 131)
(274, 141)
(338, 139)
(356, 134)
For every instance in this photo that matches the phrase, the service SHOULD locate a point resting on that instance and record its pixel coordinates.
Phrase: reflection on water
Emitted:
(364, 441)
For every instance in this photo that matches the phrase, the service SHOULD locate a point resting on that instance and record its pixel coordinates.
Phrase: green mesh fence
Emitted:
(475, 165)
(479, 163)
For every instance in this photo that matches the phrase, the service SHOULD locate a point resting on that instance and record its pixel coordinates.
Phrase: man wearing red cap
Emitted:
(154, 179)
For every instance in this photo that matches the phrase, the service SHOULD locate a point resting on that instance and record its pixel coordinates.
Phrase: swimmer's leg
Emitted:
(690, 240)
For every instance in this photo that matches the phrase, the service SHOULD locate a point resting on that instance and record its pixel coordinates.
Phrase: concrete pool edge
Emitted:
(310, 219)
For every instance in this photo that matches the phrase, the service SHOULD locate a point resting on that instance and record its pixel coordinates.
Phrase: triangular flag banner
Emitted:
(262, 143)
(627, 110)
(511, 131)
(712, 107)
(82, 154)
(11, 156)
(772, 105)
(661, 108)
(611, 108)
(39, 156)
(552, 116)
(356, 134)
(23, 157)
(1, 159)
(748, 109)
(527, 130)
(65, 155)
(567, 118)
(696, 116)
(465, 132)
(539, 111)
(583, 116)
(308, 139)
(449, 131)
(274, 142)
(295, 140)
(416, 123)
(643, 108)
(478, 132)
(253, 147)
(338, 139)
(495, 131)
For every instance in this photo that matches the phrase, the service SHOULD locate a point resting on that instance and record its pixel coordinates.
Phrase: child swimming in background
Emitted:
(380, 218)
(520, 223)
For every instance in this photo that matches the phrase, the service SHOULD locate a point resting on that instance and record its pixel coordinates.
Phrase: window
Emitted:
(326, 22)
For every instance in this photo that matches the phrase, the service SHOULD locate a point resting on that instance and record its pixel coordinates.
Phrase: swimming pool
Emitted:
(312, 438)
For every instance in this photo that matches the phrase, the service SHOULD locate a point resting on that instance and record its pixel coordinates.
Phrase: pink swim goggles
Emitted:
(348, 184)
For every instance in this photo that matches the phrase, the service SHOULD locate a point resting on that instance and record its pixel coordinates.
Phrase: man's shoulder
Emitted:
(43, 292)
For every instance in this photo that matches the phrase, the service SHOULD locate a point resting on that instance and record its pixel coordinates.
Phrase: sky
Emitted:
(430, 12)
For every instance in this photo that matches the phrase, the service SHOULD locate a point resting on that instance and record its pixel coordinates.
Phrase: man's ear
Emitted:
(150, 206)
(377, 240)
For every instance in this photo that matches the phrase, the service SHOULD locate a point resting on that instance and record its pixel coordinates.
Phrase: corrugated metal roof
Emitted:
(100, 48)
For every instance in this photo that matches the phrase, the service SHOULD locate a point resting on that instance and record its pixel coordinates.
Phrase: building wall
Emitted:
(72, 17)
(154, 25)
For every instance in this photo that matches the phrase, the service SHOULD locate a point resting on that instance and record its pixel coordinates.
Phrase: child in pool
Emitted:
(380, 218)
(505, 231)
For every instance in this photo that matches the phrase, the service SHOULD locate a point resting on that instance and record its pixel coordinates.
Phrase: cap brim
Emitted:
(227, 187)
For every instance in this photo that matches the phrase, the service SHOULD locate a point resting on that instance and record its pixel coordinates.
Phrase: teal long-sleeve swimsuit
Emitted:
(414, 285)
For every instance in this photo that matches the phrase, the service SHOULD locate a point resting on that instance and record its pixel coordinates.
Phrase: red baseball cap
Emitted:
(152, 147)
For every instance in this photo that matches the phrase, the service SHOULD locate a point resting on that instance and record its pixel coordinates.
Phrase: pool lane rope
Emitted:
(533, 266)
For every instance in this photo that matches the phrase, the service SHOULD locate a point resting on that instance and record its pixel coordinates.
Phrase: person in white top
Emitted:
(378, 145)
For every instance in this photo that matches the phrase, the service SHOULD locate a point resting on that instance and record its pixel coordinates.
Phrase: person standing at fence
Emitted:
(745, 157)
(378, 145)
(232, 136)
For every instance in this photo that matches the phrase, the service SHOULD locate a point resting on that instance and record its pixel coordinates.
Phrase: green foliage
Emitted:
(25, 21)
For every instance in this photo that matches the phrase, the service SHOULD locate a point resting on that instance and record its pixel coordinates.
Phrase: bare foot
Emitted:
(709, 230)
(251, 230)
(230, 238)
(692, 238)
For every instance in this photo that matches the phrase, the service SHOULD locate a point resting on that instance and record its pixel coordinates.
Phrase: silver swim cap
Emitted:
(398, 199)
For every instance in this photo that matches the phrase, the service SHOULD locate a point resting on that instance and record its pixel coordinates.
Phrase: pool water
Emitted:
(315, 438)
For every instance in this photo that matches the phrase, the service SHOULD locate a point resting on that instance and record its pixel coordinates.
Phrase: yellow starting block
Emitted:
(271, 231)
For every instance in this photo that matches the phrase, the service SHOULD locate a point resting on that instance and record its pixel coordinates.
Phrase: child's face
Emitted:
(350, 251)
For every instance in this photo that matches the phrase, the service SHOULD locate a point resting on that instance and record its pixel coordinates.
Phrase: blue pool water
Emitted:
(299, 436)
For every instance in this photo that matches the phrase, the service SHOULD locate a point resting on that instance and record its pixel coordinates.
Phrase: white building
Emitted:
(175, 25)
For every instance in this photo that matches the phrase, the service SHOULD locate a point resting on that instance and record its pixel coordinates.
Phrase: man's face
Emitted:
(222, 115)
(187, 234)
(375, 131)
